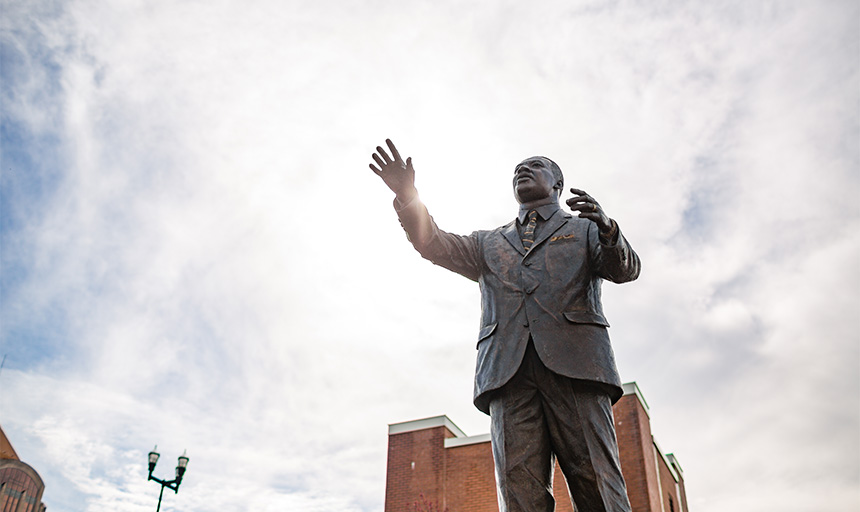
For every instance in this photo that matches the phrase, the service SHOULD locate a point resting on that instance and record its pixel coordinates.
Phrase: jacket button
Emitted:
(528, 263)
(526, 323)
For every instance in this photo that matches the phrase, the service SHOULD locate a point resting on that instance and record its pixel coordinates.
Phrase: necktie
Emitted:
(529, 231)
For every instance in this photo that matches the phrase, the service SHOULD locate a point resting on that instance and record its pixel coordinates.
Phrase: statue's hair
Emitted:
(556, 173)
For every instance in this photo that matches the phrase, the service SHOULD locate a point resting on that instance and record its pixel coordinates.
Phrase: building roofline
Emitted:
(24, 467)
(675, 463)
(461, 439)
(631, 388)
(453, 442)
(7, 451)
(666, 459)
(425, 423)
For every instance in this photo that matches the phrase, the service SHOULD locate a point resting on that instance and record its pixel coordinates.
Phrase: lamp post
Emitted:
(171, 484)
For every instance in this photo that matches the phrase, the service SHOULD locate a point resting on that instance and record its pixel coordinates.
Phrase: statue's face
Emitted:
(533, 180)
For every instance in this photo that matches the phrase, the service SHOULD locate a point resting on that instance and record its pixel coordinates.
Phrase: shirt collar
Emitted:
(544, 212)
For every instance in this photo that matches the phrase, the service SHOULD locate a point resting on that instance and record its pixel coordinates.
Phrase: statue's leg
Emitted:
(579, 420)
(521, 447)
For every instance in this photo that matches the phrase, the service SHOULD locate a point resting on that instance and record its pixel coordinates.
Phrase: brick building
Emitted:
(20, 486)
(433, 465)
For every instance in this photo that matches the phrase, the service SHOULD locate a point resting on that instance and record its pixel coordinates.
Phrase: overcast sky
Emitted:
(195, 253)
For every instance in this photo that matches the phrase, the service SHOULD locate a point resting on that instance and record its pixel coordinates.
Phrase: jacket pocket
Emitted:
(563, 238)
(485, 332)
(586, 317)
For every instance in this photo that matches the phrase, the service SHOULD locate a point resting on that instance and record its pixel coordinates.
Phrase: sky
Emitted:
(196, 255)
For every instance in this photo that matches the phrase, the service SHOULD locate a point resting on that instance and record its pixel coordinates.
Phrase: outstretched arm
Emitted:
(397, 174)
(454, 252)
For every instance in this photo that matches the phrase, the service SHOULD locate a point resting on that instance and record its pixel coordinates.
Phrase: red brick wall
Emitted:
(667, 483)
(462, 478)
(684, 507)
(466, 475)
(416, 465)
(635, 448)
(560, 492)
(471, 479)
(19, 491)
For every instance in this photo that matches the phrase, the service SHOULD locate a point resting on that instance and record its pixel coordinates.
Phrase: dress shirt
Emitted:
(544, 213)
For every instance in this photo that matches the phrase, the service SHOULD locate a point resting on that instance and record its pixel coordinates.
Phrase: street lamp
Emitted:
(171, 484)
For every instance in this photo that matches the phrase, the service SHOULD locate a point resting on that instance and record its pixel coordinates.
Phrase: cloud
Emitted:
(196, 255)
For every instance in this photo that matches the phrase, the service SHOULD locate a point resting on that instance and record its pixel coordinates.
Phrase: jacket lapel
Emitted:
(511, 235)
(554, 223)
(551, 226)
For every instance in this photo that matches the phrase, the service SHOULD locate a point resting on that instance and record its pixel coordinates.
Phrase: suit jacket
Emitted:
(551, 292)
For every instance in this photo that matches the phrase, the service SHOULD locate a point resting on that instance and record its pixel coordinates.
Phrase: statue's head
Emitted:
(537, 178)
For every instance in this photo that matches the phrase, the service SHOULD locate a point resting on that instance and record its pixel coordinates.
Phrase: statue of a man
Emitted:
(545, 369)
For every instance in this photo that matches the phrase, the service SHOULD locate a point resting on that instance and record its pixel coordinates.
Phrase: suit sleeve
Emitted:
(460, 254)
(614, 262)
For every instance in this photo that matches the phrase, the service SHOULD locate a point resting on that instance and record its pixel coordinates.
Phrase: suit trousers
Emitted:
(539, 416)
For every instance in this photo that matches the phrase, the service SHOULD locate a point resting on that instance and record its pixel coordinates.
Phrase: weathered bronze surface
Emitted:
(545, 369)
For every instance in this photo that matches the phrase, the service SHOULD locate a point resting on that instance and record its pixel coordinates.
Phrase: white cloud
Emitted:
(193, 270)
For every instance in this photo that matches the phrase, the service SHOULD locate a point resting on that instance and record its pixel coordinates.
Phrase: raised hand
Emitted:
(397, 174)
(590, 209)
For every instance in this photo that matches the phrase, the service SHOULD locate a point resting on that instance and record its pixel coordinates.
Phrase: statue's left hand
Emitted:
(590, 209)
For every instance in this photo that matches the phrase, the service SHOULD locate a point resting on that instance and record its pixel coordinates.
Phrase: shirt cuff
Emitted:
(399, 207)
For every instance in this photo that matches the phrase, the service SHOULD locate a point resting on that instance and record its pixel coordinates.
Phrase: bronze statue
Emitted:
(545, 369)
